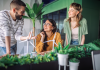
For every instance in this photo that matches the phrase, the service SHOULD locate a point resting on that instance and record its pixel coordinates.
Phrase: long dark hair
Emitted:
(54, 30)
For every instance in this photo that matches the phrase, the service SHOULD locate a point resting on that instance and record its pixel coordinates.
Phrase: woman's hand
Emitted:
(42, 36)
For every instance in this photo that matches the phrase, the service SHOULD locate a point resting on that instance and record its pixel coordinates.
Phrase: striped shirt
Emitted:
(9, 27)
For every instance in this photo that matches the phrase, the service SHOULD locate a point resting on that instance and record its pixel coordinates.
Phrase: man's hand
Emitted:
(30, 36)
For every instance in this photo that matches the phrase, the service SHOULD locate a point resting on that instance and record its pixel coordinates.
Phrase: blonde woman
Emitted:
(75, 26)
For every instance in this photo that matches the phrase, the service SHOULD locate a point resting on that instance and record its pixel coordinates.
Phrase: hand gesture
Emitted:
(30, 36)
(42, 34)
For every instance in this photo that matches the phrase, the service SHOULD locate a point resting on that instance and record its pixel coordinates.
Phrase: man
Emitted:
(11, 24)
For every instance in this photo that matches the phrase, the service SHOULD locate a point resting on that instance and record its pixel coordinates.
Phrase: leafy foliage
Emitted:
(74, 60)
(85, 50)
(34, 12)
(14, 60)
(61, 50)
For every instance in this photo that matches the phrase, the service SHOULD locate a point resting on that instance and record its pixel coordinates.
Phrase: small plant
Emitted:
(74, 60)
(61, 50)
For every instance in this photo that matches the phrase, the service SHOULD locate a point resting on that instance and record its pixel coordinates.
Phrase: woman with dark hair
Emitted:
(48, 33)
(75, 26)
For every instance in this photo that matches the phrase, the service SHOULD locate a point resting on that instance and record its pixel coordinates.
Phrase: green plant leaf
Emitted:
(39, 15)
(39, 8)
(58, 46)
(27, 5)
(25, 17)
(34, 7)
(66, 47)
(27, 11)
(74, 60)
(31, 13)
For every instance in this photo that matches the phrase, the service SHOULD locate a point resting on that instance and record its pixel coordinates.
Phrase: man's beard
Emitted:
(18, 17)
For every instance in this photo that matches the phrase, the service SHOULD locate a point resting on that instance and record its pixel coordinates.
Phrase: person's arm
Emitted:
(28, 37)
(7, 41)
(6, 29)
(66, 39)
(39, 42)
(83, 39)
(18, 34)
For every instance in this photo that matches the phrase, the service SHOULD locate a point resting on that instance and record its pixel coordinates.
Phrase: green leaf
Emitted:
(39, 8)
(58, 46)
(25, 17)
(61, 51)
(66, 47)
(27, 11)
(39, 15)
(27, 5)
(34, 7)
(31, 13)
(55, 49)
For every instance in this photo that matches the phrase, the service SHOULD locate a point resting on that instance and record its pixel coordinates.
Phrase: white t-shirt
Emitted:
(74, 33)
(9, 27)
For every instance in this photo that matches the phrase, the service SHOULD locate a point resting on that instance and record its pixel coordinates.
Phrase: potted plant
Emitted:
(73, 64)
(34, 14)
(62, 55)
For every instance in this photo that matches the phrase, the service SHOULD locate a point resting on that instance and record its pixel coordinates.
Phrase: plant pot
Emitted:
(73, 65)
(63, 59)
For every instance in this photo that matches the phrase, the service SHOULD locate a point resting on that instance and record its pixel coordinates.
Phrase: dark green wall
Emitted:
(91, 13)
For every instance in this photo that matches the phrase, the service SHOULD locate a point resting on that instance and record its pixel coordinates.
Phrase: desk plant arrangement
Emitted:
(14, 60)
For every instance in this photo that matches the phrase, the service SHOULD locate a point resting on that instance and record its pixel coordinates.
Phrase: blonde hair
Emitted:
(77, 7)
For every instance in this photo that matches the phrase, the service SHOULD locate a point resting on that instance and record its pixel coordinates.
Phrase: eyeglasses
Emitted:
(47, 24)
